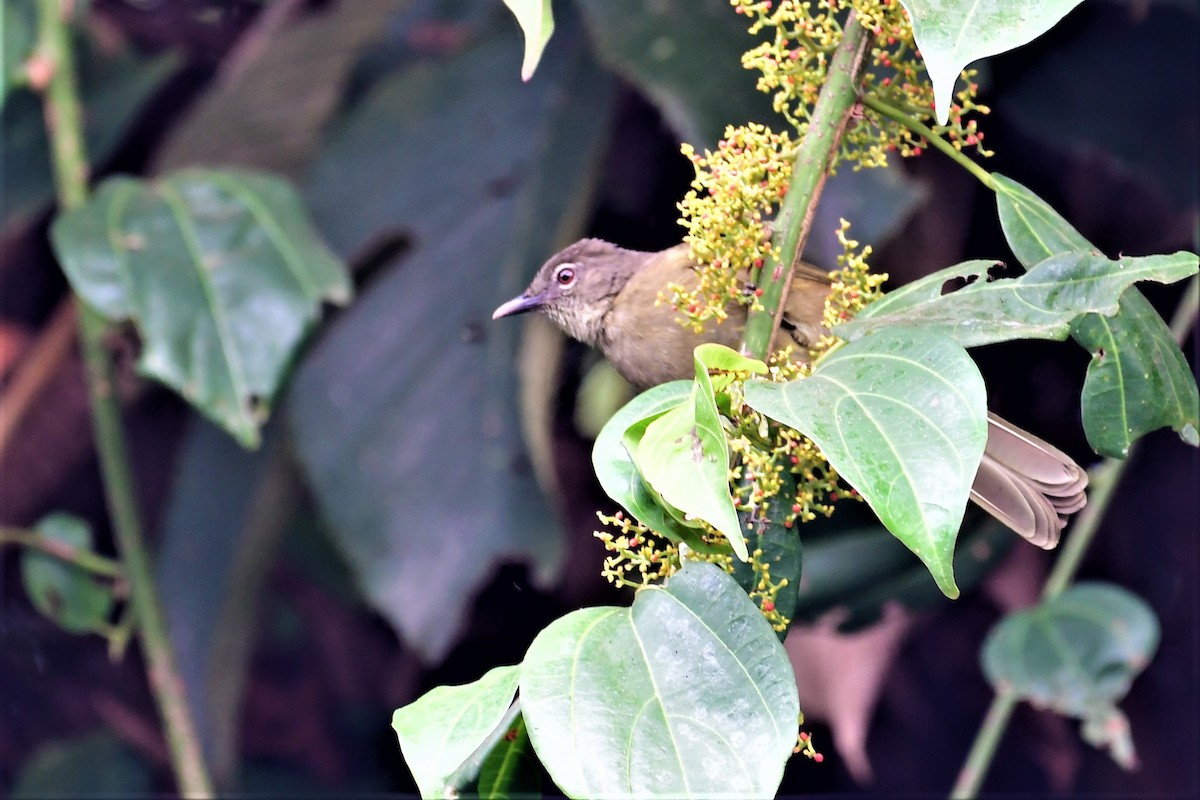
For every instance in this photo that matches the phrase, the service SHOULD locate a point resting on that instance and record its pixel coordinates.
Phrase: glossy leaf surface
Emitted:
(441, 729)
(686, 694)
(902, 416)
(221, 272)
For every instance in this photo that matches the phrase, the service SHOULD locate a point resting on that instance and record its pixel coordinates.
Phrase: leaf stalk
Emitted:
(64, 127)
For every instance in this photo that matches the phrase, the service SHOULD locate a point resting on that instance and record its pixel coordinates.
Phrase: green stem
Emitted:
(931, 136)
(64, 127)
(984, 748)
(1103, 483)
(84, 559)
(816, 154)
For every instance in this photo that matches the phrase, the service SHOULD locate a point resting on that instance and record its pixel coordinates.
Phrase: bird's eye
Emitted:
(565, 275)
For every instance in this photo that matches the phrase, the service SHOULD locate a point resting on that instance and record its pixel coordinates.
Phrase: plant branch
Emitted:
(1103, 482)
(813, 159)
(84, 559)
(65, 130)
(931, 136)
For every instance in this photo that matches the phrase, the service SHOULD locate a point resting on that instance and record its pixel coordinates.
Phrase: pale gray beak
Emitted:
(518, 305)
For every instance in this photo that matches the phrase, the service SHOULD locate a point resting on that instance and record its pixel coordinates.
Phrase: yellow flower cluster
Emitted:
(736, 189)
(637, 555)
(854, 287)
(794, 65)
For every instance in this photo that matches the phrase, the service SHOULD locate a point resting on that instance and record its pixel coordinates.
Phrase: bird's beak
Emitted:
(518, 305)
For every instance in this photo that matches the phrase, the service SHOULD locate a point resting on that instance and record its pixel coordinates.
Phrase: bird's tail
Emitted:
(1026, 483)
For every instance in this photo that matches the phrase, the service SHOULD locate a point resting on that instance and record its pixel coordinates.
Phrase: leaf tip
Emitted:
(1190, 435)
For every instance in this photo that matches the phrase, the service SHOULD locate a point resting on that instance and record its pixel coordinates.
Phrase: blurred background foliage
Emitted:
(423, 501)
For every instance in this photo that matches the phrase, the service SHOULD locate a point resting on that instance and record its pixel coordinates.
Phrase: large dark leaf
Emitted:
(226, 514)
(92, 765)
(686, 694)
(404, 416)
(686, 57)
(269, 114)
(221, 272)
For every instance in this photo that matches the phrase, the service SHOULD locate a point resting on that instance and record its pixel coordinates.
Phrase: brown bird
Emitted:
(604, 296)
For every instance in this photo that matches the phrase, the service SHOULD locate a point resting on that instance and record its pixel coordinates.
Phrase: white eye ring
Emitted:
(564, 274)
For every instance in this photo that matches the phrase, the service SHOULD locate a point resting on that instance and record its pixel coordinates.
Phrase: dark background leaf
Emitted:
(441, 490)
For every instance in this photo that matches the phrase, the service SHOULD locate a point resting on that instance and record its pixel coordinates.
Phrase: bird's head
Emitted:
(575, 289)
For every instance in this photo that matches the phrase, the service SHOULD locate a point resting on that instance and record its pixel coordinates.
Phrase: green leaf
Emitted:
(510, 769)
(1135, 348)
(612, 459)
(686, 58)
(686, 693)
(445, 491)
(684, 457)
(65, 593)
(221, 272)
(902, 417)
(1138, 379)
(618, 475)
(723, 361)
(1041, 304)
(953, 33)
(537, 23)
(1078, 655)
(218, 539)
(1034, 230)
(445, 726)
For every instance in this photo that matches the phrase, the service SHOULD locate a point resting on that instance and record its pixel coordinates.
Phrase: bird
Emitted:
(606, 297)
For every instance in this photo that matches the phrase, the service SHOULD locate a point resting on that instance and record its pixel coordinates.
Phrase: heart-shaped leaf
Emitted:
(1138, 379)
(222, 273)
(1041, 304)
(902, 416)
(952, 33)
(686, 693)
(1077, 653)
(446, 725)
